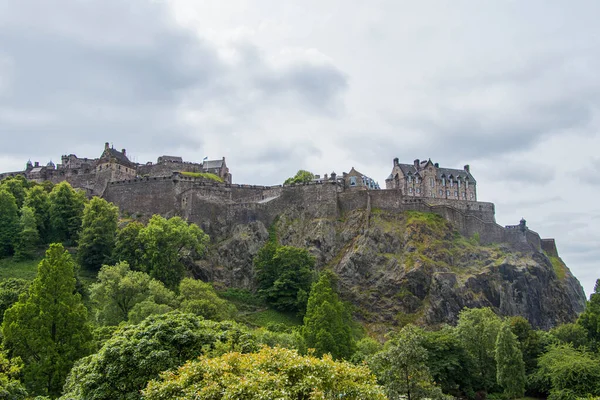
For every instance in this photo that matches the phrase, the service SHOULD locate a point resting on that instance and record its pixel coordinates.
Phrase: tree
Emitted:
(10, 386)
(9, 223)
(119, 290)
(98, 231)
(450, 365)
(10, 290)
(38, 199)
(530, 341)
(574, 334)
(510, 367)
(66, 211)
(127, 245)
(301, 176)
(478, 330)
(16, 186)
(200, 298)
(291, 271)
(28, 237)
(138, 353)
(327, 321)
(269, 374)
(590, 318)
(569, 373)
(166, 243)
(402, 366)
(48, 328)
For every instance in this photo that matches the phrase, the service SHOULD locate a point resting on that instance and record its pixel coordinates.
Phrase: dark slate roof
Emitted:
(208, 164)
(120, 157)
(410, 168)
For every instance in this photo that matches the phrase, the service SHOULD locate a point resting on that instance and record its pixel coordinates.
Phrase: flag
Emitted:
(205, 158)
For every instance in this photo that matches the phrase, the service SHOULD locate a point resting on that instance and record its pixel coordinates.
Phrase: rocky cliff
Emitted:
(399, 267)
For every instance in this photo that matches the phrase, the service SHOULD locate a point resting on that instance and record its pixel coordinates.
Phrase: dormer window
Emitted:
(352, 181)
(443, 180)
(409, 179)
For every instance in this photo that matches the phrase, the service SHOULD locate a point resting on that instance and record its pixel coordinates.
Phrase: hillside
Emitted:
(401, 267)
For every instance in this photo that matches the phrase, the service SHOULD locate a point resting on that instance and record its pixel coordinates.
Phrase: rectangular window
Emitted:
(472, 196)
(464, 196)
(441, 192)
(455, 193)
(409, 190)
(418, 190)
(352, 181)
(432, 182)
(451, 183)
(447, 193)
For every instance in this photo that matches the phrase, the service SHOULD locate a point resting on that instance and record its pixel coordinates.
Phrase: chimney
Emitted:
(417, 163)
(467, 168)
(437, 165)
(123, 151)
(325, 177)
(106, 147)
(317, 176)
(333, 176)
(396, 161)
(37, 164)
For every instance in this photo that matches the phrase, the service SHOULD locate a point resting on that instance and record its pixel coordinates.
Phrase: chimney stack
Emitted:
(396, 161)
(106, 147)
(37, 164)
(437, 165)
(417, 163)
(123, 151)
(467, 168)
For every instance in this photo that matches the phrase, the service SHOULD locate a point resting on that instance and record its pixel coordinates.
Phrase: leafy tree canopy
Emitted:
(98, 232)
(301, 176)
(10, 386)
(590, 318)
(200, 298)
(510, 368)
(28, 237)
(66, 212)
(127, 245)
(272, 373)
(9, 223)
(17, 186)
(48, 328)
(38, 199)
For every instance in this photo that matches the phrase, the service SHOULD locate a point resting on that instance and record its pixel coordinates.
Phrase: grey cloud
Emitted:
(589, 173)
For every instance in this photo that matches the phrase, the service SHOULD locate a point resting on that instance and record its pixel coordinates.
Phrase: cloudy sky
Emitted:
(507, 86)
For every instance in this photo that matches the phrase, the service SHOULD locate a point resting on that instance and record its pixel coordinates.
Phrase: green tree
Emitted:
(327, 321)
(98, 232)
(293, 270)
(269, 374)
(9, 223)
(510, 368)
(10, 385)
(530, 341)
(38, 199)
(166, 244)
(10, 290)
(200, 298)
(28, 238)
(127, 245)
(574, 334)
(66, 211)
(119, 290)
(48, 328)
(450, 365)
(590, 318)
(301, 176)
(478, 330)
(569, 373)
(16, 186)
(402, 366)
(138, 353)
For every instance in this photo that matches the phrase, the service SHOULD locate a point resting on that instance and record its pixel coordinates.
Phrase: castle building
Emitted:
(355, 179)
(425, 179)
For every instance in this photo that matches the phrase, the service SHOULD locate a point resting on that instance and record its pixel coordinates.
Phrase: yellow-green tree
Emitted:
(48, 328)
(28, 237)
(38, 199)
(98, 232)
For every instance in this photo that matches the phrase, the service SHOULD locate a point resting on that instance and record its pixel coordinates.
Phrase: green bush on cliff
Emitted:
(205, 175)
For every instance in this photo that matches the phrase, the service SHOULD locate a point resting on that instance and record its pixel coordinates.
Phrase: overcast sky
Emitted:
(509, 87)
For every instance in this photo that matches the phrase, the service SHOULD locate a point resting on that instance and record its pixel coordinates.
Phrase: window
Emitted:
(409, 190)
(443, 181)
(467, 183)
(447, 193)
(409, 179)
(472, 196)
(441, 192)
(464, 196)
(352, 181)
(455, 193)
(418, 190)
(451, 183)
(433, 195)
(458, 183)
(432, 182)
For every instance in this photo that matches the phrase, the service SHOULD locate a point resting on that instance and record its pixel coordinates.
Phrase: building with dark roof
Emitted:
(424, 179)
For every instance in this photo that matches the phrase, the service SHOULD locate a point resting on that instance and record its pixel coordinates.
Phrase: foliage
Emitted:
(38, 199)
(28, 237)
(366, 348)
(402, 366)
(285, 278)
(301, 176)
(98, 231)
(138, 353)
(26, 269)
(205, 175)
(16, 186)
(327, 321)
(166, 243)
(9, 223)
(450, 365)
(127, 245)
(573, 334)
(10, 386)
(66, 211)
(10, 290)
(569, 373)
(531, 342)
(590, 318)
(48, 328)
(478, 330)
(119, 290)
(269, 374)
(199, 298)
(510, 368)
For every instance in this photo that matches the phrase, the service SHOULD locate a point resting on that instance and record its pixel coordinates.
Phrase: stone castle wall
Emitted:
(216, 207)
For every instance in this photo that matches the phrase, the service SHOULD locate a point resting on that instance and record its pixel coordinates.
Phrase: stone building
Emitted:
(355, 179)
(425, 179)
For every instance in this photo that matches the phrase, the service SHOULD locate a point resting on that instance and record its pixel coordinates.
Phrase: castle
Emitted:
(173, 187)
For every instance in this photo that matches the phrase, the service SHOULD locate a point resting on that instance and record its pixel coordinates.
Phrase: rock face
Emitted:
(400, 267)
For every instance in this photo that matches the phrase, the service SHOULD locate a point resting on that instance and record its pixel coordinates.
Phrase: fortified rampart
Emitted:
(217, 207)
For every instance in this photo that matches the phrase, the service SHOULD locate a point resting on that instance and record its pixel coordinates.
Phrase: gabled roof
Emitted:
(117, 155)
(410, 168)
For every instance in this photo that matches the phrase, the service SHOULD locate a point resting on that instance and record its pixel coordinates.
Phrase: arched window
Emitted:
(443, 180)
